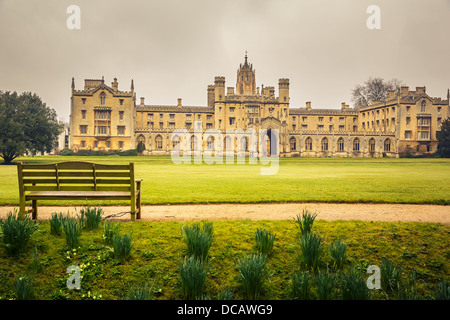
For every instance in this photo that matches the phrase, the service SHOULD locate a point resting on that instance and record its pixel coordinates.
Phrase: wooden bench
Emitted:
(76, 180)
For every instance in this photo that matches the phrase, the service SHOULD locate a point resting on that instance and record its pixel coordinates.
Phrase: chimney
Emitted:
(344, 106)
(420, 90)
(390, 95)
(142, 101)
(179, 103)
(308, 105)
(230, 91)
(404, 91)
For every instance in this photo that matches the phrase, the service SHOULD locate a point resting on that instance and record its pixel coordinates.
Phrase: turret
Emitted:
(283, 90)
(219, 88)
(245, 82)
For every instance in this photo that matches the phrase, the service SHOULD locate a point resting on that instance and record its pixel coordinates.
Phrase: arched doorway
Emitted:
(270, 140)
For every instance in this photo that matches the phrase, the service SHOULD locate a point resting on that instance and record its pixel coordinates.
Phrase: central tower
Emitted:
(245, 83)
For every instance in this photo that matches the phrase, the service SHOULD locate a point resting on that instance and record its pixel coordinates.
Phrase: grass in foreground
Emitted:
(158, 248)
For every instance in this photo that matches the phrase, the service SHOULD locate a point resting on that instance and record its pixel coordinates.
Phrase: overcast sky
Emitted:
(174, 48)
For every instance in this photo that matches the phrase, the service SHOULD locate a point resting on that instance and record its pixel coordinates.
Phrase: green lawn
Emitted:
(297, 180)
(419, 249)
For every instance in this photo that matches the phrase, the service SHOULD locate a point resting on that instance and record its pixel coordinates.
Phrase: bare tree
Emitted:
(374, 89)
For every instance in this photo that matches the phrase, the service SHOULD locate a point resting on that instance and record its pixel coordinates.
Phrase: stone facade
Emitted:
(104, 118)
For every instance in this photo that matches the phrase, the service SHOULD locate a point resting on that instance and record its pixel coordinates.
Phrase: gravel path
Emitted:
(273, 211)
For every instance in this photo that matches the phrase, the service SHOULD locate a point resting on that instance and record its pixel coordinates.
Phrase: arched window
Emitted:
(387, 145)
(340, 144)
(308, 144)
(423, 106)
(356, 144)
(193, 142)
(293, 144)
(324, 144)
(244, 144)
(210, 143)
(228, 143)
(158, 142)
(372, 145)
(175, 140)
(102, 98)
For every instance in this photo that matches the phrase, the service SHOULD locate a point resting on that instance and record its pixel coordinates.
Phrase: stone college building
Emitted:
(103, 117)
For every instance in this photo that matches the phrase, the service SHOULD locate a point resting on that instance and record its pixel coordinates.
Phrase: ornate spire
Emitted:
(245, 57)
(132, 85)
(73, 82)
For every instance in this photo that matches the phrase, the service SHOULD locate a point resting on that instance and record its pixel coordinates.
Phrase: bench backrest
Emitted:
(75, 176)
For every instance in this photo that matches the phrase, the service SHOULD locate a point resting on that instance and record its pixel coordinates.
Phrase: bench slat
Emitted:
(76, 188)
(78, 195)
(75, 165)
(38, 174)
(30, 181)
(102, 174)
(76, 181)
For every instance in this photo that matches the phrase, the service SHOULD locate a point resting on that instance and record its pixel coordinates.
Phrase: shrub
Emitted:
(56, 224)
(311, 251)
(128, 153)
(72, 231)
(408, 290)
(390, 276)
(141, 292)
(305, 221)
(16, 232)
(122, 246)
(140, 147)
(193, 276)
(326, 283)
(90, 217)
(442, 291)
(301, 285)
(252, 273)
(66, 152)
(225, 295)
(83, 152)
(198, 240)
(110, 229)
(24, 288)
(264, 241)
(354, 287)
(337, 254)
(35, 264)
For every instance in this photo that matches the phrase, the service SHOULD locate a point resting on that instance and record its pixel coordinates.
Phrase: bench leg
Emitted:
(138, 205)
(22, 208)
(34, 206)
(133, 209)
